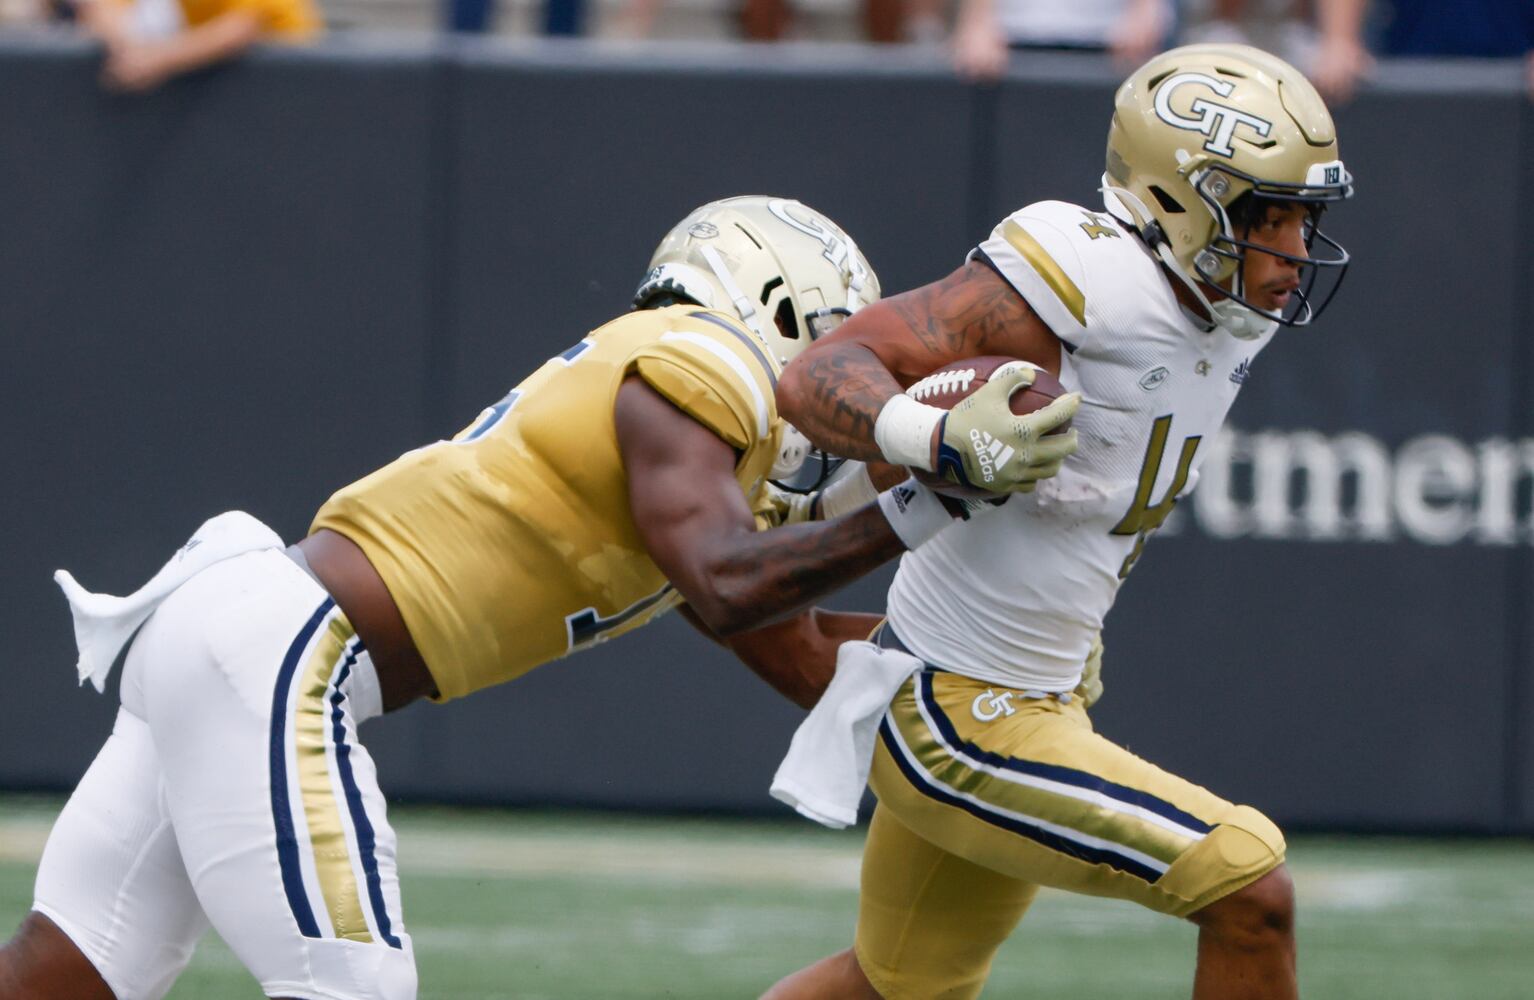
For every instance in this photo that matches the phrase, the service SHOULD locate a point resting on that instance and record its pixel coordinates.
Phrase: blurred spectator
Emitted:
(22, 12)
(985, 31)
(769, 20)
(636, 18)
(773, 20)
(560, 17)
(1483, 28)
(150, 41)
(564, 17)
(1283, 27)
(472, 16)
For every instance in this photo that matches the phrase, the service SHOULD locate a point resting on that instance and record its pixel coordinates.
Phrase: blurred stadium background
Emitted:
(262, 281)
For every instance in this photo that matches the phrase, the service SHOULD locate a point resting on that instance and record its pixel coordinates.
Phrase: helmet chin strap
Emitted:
(1226, 314)
(1241, 322)
(1123, 205)
(743, 305)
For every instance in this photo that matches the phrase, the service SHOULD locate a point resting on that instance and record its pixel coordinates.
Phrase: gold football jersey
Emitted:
(512, 544)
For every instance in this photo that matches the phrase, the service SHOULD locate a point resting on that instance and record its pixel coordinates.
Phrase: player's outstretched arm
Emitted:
(837, 391)
(699, 528)
(796, 656)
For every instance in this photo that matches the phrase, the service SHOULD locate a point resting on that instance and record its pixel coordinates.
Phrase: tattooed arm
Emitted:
(833, 392)
(699, 529)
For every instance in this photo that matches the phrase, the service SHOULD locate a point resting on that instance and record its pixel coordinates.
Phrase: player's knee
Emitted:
(850, 981)
(10, 979)
(28, 950)
(1260, 914)
(1242, 848)
(1273, 896)
(41, 963)
(839, 976)
(1255, 916)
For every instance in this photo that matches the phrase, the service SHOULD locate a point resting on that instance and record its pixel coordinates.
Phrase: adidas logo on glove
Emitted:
(991, 453)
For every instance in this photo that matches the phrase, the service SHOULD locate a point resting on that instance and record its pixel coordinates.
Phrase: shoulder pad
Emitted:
(716, 373)
(1039, 250)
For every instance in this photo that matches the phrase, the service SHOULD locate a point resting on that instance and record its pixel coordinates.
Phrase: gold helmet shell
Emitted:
(1199, 127)
(788, 271)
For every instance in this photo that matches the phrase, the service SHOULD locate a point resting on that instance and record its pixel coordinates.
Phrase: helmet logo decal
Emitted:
(1218, 122)
(834, 249)
(703, 230)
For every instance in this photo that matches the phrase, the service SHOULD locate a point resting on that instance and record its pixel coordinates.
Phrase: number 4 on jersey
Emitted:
(1143, 517)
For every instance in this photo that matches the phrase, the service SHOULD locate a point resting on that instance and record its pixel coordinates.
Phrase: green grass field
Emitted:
(528, 906)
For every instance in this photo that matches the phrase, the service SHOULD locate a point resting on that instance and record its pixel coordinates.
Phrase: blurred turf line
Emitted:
(532, 906)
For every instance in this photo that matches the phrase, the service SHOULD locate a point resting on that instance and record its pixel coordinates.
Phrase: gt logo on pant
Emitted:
(988, 705)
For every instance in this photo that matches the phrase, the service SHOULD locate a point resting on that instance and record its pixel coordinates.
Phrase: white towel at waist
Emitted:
(823, 774)
(104, 624)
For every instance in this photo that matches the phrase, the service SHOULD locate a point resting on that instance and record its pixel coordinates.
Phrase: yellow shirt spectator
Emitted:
(148, 42)
(294, 20)
(290, 19)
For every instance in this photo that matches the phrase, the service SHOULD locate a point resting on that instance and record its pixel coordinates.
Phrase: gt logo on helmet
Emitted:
(1217, 121)
(834, 250)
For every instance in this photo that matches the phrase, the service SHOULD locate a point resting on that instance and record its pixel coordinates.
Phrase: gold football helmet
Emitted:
(786, 270)
(1201, 136)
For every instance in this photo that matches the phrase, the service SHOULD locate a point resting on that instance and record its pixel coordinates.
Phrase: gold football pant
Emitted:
(986, 794)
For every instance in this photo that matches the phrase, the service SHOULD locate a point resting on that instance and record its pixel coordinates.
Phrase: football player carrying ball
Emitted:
(990, 778)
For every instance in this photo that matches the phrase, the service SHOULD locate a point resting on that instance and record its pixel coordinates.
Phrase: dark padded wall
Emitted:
(562, 172)
(1518, 707)
(212, 299)
(254, 287)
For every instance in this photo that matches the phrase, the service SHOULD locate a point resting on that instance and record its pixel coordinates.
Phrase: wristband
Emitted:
(849, 489)
(914, 512)
(904, 430)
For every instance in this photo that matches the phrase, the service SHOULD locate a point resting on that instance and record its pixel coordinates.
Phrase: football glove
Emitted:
(782, 507)
(984, 445)
(843, 492)
(915, 512)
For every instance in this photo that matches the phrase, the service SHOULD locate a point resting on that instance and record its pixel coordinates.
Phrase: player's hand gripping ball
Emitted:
(1008, 426)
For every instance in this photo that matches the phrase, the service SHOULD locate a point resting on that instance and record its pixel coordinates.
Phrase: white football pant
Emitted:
(233, 791)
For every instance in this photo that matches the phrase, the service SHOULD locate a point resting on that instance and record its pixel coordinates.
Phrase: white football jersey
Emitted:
(1015, 597)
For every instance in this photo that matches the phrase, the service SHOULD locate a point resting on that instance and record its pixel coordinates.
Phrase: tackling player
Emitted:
(623, 478)
(990, 779)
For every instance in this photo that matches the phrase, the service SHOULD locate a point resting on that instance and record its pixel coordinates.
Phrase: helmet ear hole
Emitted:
(1167, 202)
(788, 325)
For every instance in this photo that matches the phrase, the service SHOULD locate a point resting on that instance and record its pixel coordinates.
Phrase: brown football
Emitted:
(955, 382)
